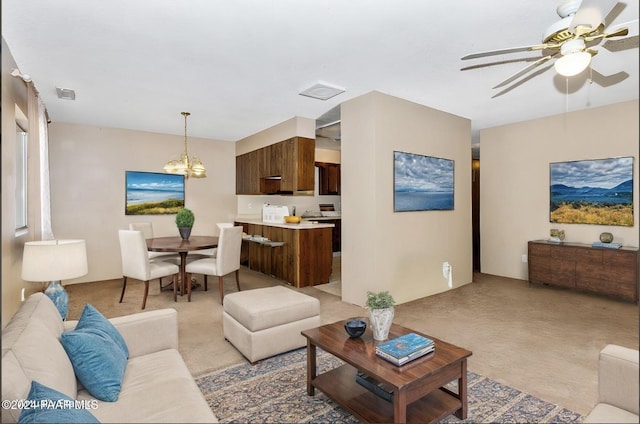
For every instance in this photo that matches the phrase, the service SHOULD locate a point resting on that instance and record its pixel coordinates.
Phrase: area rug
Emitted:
(274, 391)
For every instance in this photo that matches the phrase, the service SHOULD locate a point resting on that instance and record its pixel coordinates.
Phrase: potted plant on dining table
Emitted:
(184, 221)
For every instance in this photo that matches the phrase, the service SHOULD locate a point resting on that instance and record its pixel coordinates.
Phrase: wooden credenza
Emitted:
(612, 272)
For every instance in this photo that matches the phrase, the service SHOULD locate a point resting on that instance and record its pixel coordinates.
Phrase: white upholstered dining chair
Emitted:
(136, 264)
(226, 261)
(209, 253)
(147, 231)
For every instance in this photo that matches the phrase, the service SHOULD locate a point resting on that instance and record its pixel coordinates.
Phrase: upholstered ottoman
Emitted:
(265, 322)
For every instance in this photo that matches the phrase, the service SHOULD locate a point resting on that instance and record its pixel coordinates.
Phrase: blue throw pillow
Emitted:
(98, 360)
(45, 405)
(92, 319)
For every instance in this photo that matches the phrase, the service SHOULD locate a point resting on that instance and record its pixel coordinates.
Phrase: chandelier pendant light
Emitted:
(186, 166)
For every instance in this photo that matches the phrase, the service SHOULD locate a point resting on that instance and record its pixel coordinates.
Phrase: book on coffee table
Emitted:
(405, 348)
(401, 361)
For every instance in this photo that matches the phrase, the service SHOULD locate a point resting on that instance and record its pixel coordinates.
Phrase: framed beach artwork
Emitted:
(598, 191)
(153, 193)
(422, 183)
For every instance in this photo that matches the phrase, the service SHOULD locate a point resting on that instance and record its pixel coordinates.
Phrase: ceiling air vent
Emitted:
(66, 93)
(322, 90)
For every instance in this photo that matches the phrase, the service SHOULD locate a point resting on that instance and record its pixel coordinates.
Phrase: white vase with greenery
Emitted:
(381, 312)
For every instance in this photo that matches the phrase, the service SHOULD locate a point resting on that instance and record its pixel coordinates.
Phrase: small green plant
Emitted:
(379, 300)
(185, 218)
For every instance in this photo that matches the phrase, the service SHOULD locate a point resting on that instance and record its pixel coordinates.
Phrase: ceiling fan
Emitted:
(582, 25)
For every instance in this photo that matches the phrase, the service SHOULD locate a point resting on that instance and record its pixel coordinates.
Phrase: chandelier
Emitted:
(186, 166)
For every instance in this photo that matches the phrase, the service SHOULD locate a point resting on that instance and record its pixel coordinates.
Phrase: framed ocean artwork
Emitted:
(596, 191)
(422, 183)
(153, 193)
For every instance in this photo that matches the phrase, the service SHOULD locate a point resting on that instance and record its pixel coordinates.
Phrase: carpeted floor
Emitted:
(541, 340)
(274, 391)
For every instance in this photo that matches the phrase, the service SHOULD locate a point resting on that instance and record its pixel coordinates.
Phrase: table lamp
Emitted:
(53, 261)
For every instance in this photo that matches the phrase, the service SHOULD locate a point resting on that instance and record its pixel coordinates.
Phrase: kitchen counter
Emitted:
(302, 225)
(300, 254)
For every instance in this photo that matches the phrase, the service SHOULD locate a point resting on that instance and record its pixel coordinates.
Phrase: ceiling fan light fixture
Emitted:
(572, 63)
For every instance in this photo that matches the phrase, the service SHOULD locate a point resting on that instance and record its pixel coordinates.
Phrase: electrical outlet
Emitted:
(446, 269)
(524, 259)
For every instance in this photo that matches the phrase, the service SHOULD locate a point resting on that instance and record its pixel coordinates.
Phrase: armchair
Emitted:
(617, 387)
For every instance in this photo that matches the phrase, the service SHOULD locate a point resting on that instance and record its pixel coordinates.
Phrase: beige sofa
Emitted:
(157, 386)
(617, 387)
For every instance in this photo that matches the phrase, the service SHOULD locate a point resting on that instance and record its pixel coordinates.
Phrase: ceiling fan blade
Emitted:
(511, 50)
(592, 13)
(526, 70)
(632, 27)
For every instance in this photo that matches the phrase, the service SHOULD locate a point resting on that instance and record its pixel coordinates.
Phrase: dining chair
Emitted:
(209, 253)
(227, 260)
(147, 231)
(136, 264)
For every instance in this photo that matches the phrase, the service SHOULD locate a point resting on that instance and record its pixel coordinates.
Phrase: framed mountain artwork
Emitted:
(597, 191)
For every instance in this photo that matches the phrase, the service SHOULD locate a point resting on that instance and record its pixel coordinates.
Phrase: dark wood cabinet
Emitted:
(248, 173)
(336, 242)
(613, 272)
(329, 178)
(285, 167)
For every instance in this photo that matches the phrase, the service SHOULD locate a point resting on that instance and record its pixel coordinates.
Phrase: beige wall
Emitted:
(514, 193)
(294, 127)
(400, 252)
(88, 167)
(16, 93)
(382, 250)
(330, 156)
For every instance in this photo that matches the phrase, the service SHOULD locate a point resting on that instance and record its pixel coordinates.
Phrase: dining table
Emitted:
(178, 245)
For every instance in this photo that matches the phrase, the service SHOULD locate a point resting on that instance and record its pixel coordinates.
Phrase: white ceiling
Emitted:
(238, 65)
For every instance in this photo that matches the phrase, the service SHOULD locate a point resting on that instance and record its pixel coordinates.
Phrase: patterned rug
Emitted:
(274, 391)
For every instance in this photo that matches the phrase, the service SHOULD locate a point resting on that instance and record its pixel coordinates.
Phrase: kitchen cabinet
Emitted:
(329, 178)
(304, 258)
(284, 167)
(613, 272)
(248, 173)
(336, 236)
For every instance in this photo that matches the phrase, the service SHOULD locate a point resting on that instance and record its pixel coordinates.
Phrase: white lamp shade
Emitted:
(572, 64)
(54, 260)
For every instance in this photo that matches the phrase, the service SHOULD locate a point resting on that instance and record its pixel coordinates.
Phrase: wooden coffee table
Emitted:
(418, 395)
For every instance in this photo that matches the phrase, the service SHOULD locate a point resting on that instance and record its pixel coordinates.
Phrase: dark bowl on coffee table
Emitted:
(355, 327)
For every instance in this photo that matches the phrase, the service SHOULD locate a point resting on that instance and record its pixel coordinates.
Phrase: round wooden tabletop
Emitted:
(177, 244)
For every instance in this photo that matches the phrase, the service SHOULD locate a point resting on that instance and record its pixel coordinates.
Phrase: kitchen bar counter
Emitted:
(302, 225)
(301, 254)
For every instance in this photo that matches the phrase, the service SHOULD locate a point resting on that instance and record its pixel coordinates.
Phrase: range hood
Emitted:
(271, 185)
